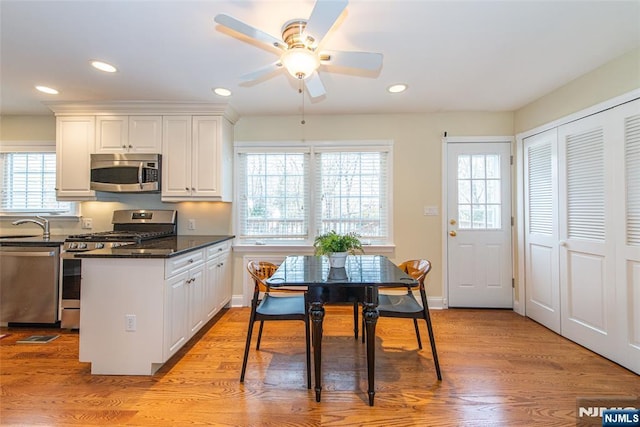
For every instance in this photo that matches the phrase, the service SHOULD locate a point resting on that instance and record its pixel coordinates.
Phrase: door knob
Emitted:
(453, 233)
(452, 221)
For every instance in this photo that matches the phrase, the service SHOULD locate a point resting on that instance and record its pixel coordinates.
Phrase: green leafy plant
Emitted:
(331, 242)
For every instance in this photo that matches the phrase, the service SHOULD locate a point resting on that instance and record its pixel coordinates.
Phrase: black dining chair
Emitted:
(406, 305)
(274, 305)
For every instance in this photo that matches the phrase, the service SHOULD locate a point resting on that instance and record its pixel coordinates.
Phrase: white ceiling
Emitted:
(454, 55)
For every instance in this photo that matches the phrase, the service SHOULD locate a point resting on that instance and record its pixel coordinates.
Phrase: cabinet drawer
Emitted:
(179, 264)
(214, 250)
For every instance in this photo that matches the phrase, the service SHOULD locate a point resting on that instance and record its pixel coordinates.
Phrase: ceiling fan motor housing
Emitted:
(292, 34)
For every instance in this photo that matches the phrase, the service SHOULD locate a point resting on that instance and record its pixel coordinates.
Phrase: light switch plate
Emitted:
(431, 210)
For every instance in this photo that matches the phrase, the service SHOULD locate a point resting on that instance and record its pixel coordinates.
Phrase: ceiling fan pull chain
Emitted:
(301, 91)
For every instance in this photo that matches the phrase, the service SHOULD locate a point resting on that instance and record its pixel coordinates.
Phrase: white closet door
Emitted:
(587, 250)
(542, 286)
(627, 221)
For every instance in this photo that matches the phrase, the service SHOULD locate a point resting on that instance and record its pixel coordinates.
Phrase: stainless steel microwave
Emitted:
(125, 173)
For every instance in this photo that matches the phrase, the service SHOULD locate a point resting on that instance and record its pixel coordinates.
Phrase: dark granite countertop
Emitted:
(54, 240)
(165, 247)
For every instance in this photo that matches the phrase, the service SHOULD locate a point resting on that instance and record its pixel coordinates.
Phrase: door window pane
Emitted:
(479, 192)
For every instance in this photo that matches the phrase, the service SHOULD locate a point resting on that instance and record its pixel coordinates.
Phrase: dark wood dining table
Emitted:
(358, 281)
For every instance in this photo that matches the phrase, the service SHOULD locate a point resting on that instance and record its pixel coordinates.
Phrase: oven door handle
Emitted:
(23, 254)
(140, 168)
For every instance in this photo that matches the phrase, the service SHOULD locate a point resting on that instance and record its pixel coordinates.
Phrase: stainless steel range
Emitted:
(129, 227)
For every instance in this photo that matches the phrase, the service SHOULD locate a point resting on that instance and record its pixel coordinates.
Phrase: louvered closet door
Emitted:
(587, 251)
(627, 220)
(542, 286)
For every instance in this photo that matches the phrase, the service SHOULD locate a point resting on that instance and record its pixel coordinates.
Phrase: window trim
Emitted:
(313, 147)
(35, 146)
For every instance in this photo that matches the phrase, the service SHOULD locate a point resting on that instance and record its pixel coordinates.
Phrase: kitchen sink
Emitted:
(19, 236)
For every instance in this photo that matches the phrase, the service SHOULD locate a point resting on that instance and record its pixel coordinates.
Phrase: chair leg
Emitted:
(259, 335)
(247, 346)
(427, 319)
(355, 320)
(415, 325)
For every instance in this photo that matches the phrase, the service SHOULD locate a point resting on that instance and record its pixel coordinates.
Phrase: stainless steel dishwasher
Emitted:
(29, 278)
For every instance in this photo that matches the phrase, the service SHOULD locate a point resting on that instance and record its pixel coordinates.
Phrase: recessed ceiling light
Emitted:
(103, 66)
(222, 91)
(49, 90)
(397, 88)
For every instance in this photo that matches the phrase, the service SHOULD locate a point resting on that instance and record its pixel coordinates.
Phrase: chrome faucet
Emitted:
(43, 223)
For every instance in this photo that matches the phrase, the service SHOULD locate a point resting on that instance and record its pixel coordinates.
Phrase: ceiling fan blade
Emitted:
(324, 15)
(314, 85)
(369, 61)
(261, 72)
(249, 31)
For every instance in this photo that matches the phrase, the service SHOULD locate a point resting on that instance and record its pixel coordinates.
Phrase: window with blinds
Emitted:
(352, 191)
(274, 195)
(294, 192)
(632, 168)
(28, 184)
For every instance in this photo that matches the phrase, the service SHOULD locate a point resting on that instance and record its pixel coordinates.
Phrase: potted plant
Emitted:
(337, 247)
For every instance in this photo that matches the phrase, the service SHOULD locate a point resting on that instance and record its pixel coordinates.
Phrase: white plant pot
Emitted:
(338, 259)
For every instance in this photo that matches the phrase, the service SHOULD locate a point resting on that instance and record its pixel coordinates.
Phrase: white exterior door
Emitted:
(542, 281)
(479, 266)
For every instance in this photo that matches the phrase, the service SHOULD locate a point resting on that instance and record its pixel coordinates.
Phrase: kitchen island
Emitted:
(141, 303)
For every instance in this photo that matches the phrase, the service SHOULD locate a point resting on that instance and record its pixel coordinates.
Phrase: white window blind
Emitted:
(352, 191)
(632, 168)
(273, 195)
(540, 189)
(28, 184)
(585, 185)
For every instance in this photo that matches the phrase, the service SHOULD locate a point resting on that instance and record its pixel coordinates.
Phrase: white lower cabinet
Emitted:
(166, 300)
(217, 289)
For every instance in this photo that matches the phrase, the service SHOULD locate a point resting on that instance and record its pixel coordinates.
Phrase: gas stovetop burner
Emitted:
(129, 226)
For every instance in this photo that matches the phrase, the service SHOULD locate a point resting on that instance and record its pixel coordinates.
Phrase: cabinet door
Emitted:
(225, 283)
(195, 286)
(210, 298)
(205, 173)
(177, 330)
(112, 134)
(75, 138)
(145, 134)
(176, 156)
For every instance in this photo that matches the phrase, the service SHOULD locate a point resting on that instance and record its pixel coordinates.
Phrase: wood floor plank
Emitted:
(498, 369)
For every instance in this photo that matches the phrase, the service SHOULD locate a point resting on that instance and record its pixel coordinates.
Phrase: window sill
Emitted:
(305, 249)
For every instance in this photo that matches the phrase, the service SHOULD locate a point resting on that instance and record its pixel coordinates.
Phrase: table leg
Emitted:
(370, 314)
(316, 312)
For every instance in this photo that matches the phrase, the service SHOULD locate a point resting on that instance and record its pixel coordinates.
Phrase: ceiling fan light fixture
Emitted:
(300, 62)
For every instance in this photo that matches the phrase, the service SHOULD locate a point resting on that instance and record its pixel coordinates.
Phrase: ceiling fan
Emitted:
(300, 47)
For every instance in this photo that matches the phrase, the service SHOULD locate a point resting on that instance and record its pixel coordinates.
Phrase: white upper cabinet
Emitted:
(196, 158)
(74, 145)
(195, 140)
(128, 134)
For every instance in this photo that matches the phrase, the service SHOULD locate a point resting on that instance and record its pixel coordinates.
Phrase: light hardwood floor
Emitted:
(499, 369)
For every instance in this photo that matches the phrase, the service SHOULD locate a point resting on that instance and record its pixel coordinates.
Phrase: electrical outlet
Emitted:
(130, 322)
(192, 224)
(87, 223)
